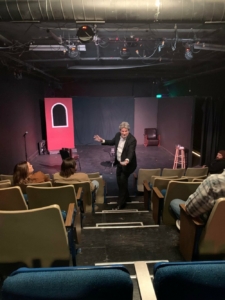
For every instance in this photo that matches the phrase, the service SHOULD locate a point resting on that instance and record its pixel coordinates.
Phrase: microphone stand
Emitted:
(25, 145)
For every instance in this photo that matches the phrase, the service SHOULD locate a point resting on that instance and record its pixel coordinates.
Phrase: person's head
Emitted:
(220, 154)
(21, 171)
(124, 129)
(68, 167)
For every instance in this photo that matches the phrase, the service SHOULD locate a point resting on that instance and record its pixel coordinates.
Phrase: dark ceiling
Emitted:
(171, 40)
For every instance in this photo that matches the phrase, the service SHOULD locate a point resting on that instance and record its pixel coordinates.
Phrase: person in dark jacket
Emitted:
(125, 159)
(218, 165)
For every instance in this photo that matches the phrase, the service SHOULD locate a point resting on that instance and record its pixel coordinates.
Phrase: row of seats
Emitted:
(172, 280)
(149, 175)
(197, 240)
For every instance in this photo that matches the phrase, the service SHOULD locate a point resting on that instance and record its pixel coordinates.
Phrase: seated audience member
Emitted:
(24, 173)
(201, 202)
(218, 164)
(69, 175)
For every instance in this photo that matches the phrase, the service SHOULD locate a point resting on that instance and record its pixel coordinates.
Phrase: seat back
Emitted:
(190, 178)
(190, 280)
(173, 172)
(93, 175)
(196, 172)
(40, 184)
(33, 238)
(161, 183)
(45, 196)
(176, 190)
(86, 192)
(146, 174)
(161, 177)
(5, 184)
(212, 240)
(196, 179)
(4, 177)
(11, 198)
(89, 283)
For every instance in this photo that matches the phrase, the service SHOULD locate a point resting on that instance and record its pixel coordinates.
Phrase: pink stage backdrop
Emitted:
(59, 123)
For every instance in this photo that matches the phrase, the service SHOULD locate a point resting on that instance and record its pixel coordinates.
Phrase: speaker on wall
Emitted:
(42, 147)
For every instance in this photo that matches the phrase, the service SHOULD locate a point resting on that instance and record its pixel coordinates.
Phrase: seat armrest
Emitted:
(73, 221)
(158, 193)
(69, 215)
(189, 234)
(146, 186)
(79, 193)
(197, 221)
(157, 205)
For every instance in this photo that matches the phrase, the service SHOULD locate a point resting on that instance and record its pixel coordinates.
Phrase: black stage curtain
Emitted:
(213, 133)
(102, 116)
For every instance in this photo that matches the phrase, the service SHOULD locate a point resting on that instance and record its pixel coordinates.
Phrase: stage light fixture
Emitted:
(188, 52)
(85, 34)
(124, 52)
(73, 51)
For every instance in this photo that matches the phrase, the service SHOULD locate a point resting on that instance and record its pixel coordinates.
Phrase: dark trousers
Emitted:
(122, 181)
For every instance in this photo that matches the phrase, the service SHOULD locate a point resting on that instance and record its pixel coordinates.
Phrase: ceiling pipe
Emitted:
(2, 54)
(147, 11)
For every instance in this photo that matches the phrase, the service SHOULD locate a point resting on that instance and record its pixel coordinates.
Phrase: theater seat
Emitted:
(87, 282)
(190, 280)
(151, 137)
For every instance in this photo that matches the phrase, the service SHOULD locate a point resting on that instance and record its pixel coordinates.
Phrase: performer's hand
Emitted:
(97, 138)
(124, 163)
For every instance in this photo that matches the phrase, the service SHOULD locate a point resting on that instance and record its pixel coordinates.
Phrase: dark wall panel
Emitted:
(102, 116)
(19, 112)
(145, 116)
(175, 122)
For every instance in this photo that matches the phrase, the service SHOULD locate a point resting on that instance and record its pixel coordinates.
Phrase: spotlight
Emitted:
(85, 34)
(125, 53)
(73, 51)
(188, 52)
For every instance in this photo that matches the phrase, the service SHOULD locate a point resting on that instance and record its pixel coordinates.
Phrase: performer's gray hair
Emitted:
(124, 125)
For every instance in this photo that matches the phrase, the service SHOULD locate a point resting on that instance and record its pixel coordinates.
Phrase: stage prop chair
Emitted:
(65, 197)
(85, 282)
(11, 198)
(5, 184)
(144, 174)
(65, 153)
(34, 238)
(203, 241)
(189, 280)
(151, 137)
(175, 190)
(6, 177)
